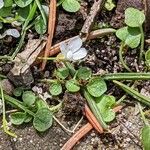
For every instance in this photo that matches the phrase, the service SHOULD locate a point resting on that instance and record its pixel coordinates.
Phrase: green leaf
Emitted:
(96, 87)
(122, 33)
(134, 17)
(133, 41)
(17, 118)
(146, 137)
(71, 5)
(55, 88)
(43, 119)
(5, 11)
(28, 118)
(28, 98)
(105, 104)
(84, 73)
(23, 3)
(41, 104)
(8, 3)
(40, 26)
(72, 85)
(130, 36)
(23, 13)
(135, 94)
(18, 91)
(62, 73)
(109, 5)
(134, 37)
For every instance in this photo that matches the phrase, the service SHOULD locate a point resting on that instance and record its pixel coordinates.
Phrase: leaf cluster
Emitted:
(84, 80)
(39, 111)
(131, 34)
(16, 12)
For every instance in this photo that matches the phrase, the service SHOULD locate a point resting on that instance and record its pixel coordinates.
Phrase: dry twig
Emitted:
(51, 27)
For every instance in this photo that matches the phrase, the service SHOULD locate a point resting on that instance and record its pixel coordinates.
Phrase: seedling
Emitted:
(132, 35)
(70, 5)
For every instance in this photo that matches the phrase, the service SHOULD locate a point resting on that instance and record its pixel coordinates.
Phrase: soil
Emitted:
(102, 57)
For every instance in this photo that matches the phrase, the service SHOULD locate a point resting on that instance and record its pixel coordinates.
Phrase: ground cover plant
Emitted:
(95, 84)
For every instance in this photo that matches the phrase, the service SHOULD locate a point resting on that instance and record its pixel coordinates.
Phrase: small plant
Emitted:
(31, 108)
(70, 5)
(132, 35)
(92, 88)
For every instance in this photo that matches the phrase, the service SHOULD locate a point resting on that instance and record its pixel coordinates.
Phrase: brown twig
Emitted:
(77, 136)
(91, 118)
(90, 19)
(51, 27)
(81, 133)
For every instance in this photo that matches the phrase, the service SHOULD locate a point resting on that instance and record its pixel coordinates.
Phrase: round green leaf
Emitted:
(18, 91)
(62, 73)
(55, 88)
(17, 118)
(40, 26)
(23, 3)
(72, 85)
(122, 33)
(134, 17)
(84, 73)
(43, 119)
(146, 137)
(71, 5)
(96, 87)
(5, 11)
(105, 103)
(133, 41)
(8, 3)
(28, 98)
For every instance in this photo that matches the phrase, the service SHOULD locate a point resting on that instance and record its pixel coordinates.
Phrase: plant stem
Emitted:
(121, 57)
(133, 93)
(47, 58)
(142, 114)
(42, 11)
(142, 43)
(127, 76)
(19, 45)
(94, 109)
(17, 103)
(5, 124)
(70, 67)
(30, 16)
